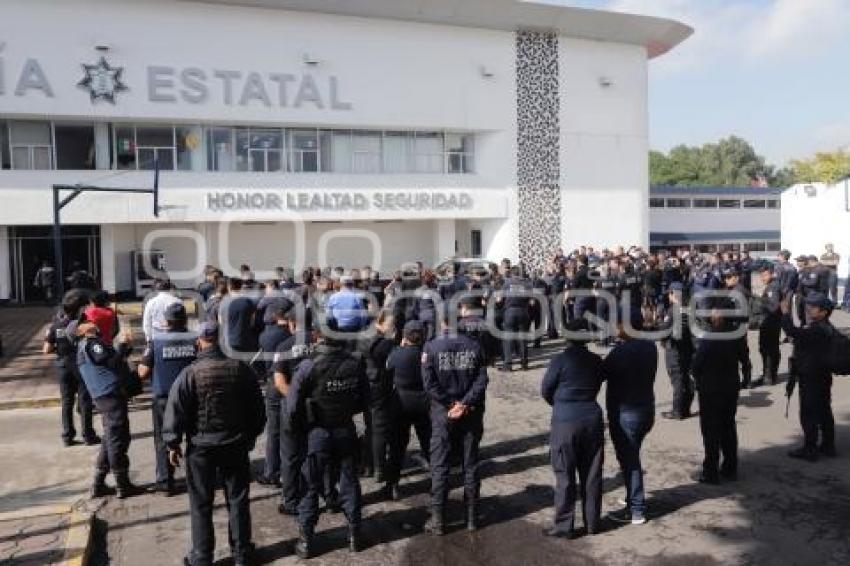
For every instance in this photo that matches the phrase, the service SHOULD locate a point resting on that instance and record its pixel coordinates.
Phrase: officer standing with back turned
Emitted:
(217, 404)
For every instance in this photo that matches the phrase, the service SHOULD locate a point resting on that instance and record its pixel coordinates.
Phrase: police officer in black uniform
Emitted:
(293, 433)
(769, 320)
(412, 408)
(327, 390)
(454, 372)
(217, 405)
(102, 367)
(60, 340)
(738, 298)
(516, 320)
(272, 336)
(163, 360)
(811, 344)
(678, 353)
(807, 284)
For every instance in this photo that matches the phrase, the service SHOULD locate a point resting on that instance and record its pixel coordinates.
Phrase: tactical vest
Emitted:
(336, 378)
(170, 356)
(64, 345)
(100, 380)
(216, 381)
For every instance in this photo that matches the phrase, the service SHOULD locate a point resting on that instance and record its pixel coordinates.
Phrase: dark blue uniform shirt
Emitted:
(571, 384)
(167, 355)
(454, 369)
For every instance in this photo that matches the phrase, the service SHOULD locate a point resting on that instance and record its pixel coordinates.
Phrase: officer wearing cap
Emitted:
(768, 318)
(293, 435)
(738, 298)
(454, 372)
(163, 360)
(807, 284)
(570, 385)
(412, 404)
(60, 339)
(516, 298)
(327, 390)
(678, 353)
(811, 345)
(102, 367)
(216, 404)
(786, 273)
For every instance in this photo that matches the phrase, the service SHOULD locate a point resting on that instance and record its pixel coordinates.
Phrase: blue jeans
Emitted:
(628, 429)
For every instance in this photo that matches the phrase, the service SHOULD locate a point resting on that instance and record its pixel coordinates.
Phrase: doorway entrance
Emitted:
(29, 246)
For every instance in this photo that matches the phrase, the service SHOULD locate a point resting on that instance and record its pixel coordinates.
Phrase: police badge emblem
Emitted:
(102, 81)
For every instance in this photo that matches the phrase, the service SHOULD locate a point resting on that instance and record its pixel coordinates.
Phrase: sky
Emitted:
(774, 72)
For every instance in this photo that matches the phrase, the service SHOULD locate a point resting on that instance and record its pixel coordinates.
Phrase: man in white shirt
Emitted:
(153, 318)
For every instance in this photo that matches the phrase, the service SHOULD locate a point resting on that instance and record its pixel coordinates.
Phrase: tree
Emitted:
(731, 162)
(823, 167)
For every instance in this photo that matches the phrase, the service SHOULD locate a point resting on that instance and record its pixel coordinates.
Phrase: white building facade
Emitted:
(716, 219)
(340, 133)
(816, 214)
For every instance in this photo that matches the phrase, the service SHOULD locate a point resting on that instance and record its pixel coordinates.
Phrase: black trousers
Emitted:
(205, 467)
(747, 366)
(816, 416)
(272, 467)
(116, 437)
(330, 449)
(678, 359)
(413, 410)
(769, 350)
(384, 438)
(717, 412)
(466, 434)
(71, 390)
(164, 470)
(577, 447)
(293, 448)
(515, 320)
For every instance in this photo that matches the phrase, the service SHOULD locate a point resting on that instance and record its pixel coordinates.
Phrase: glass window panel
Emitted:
(678, 203)
(656, 203)
(754, 204)
(459, 143)
(30, 133)
(397, 150)
(157, 136)
(455, 163)
(365, 162)
(146, 158)
(5, 155)
(74, 146)
(275, 161)
(341, 152)
(303, 139)
(41, 157)
(773, 204)
(21, 157)
(428, 151)
(309, 161)
(166, 159)
(221, 149)
(705, 203)
(774, 246)
(189, 145)
(325, 151)
(727, 203)
(125, 148)
(243, 161)
(266, 139)
(468, 163)
(367, 141)
(258, 160)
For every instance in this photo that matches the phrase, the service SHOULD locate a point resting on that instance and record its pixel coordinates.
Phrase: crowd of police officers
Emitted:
(412, 354)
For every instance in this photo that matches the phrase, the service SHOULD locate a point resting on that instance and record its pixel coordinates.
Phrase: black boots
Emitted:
(472, 516)
(126, 488)
(99, 487)
(354, 538)
(304, 544)
(390, 492)
(435, 524)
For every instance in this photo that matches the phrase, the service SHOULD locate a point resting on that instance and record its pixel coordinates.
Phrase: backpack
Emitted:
(838, 354)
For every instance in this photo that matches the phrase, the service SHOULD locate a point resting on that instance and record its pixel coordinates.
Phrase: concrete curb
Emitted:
(41, 403)
(78, 542)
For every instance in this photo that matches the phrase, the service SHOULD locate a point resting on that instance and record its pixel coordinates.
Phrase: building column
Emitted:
(5, 265)
(444, 239)
(107, 258)
(538, 146)
(101, 146)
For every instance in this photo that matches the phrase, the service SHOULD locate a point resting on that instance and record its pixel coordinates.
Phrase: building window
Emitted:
(75, 147)
(730, 203)
(31, 145)
(706, 248)
(303, 151)
(427, 152)
(5, 158)
(774, 246)
(143, 147)
(398, 151)
(754, 203)
(259, 150)
(475, 243)
(774, 204)
(728, 247)
(221, 152)
(705, 203)
(678, 203)
(755, 246)
(656, 203)
(366, 152)
(458, 153)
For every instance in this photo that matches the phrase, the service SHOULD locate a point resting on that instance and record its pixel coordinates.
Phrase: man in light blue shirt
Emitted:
(348, 307)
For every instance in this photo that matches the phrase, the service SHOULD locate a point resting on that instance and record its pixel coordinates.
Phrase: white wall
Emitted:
(808, 223)
(714, 219)
(604, 144)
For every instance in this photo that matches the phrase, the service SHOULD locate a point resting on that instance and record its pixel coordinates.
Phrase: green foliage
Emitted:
(731, 162)
(824, 167)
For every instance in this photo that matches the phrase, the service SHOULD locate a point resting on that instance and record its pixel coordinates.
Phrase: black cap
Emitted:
(412, 327)
(819, 300)
(765, 267)
(175, 312)
(208, 331)
(730, 272)
(801, 258)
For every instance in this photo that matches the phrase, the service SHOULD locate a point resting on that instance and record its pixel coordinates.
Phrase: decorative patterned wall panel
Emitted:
(538, 147)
